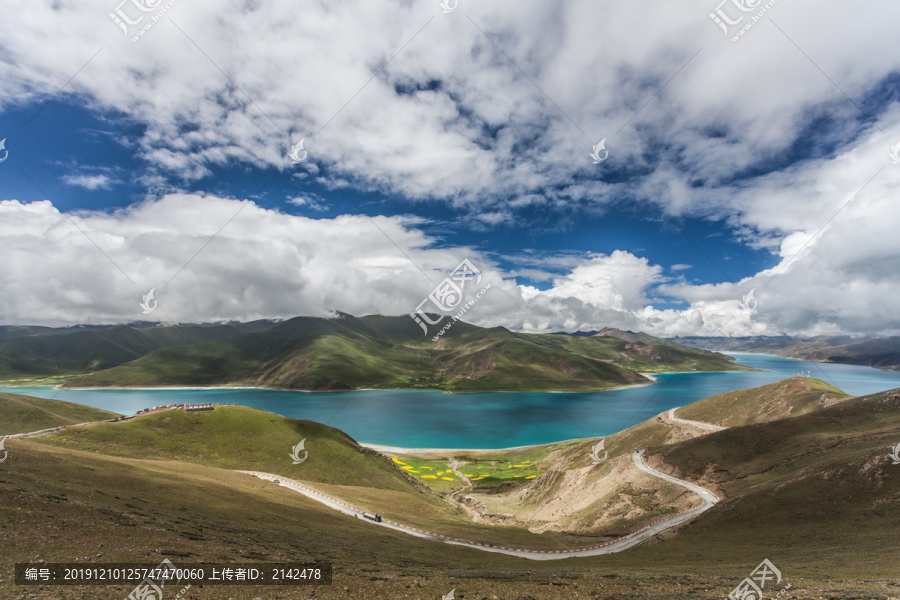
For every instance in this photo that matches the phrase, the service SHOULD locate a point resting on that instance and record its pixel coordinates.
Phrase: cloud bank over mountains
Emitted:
(207, 261)
(491, 109)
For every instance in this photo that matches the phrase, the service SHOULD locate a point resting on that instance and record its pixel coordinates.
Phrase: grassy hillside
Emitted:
(786, 398)
(615, 496)
(21, 414)
(816, 494)
(816, 487)
(239, 438)
(60, 505)
(391, 352)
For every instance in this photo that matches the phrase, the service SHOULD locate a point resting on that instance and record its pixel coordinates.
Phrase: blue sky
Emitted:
(162, 163)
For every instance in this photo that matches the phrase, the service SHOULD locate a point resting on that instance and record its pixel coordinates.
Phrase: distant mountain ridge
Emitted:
(622, 334)
(881, 353)
(27, 351)
(9, 331)
(346, 352)
(628, 336)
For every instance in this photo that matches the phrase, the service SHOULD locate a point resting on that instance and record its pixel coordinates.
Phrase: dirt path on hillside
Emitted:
(697, 424)
(624, 543)
(454, 466)
(472, 507)
(56, 429)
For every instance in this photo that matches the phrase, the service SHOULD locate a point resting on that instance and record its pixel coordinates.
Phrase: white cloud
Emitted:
(89, 182)
(55, 274)
(448, 118)
(616, 282)
(309, 200)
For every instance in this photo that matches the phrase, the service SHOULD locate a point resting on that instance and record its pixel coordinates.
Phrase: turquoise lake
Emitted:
(433, 419)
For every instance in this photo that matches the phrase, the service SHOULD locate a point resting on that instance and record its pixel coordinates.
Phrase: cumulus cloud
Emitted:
(487, 104)
(207, 262)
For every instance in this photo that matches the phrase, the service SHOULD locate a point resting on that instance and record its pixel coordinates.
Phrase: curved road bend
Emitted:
(630, 541)
(697, 424)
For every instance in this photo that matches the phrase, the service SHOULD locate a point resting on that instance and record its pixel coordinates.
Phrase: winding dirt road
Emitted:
(630, 541)
(697, 424)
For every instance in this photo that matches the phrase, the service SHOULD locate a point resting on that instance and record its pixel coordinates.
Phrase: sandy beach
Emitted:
(436, 452)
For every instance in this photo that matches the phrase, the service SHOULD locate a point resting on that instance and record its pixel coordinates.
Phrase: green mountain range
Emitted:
(346, 352)
(44, 351)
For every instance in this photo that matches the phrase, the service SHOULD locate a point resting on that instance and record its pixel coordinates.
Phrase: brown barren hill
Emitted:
(786, 398)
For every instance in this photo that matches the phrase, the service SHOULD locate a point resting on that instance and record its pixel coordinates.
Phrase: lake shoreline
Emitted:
(652, 376)
(271, 389)
(429, 422)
